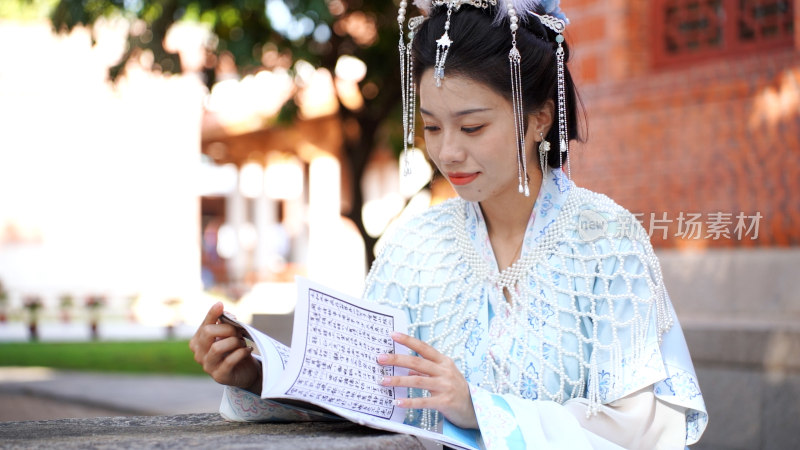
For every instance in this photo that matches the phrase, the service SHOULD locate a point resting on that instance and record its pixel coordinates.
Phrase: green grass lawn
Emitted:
(169, 357)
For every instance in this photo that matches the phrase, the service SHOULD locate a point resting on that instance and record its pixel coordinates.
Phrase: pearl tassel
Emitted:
(514, 60)
(543, 285)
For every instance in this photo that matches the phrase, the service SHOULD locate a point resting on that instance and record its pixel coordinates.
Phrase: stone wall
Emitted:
(740, 312)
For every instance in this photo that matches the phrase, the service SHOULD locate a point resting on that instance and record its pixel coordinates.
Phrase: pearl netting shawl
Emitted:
(586, 299)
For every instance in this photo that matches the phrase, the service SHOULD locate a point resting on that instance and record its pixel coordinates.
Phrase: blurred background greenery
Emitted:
(154, 357)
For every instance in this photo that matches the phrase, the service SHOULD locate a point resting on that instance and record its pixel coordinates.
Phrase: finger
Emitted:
(219, 350)
(198, 349)
(207, 335)
(422, 348)
(427, 383)
(213, 314)
(225, 369)
(417, 402)
(200, 343)
(416, 363)
(222, 330)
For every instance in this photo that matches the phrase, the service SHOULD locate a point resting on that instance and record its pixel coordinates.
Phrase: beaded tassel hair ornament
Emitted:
(514, 60)
(407, 86)
(442, 47)
(553, 18)
(559, 25)
(556, 21)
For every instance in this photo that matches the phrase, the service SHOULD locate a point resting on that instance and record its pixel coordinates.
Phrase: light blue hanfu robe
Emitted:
(593, 321)
(589, 323)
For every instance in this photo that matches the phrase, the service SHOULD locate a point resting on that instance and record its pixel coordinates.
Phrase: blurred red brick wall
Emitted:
(716, 136)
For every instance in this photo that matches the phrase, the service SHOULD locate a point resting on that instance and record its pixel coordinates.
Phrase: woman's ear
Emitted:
(541, 120)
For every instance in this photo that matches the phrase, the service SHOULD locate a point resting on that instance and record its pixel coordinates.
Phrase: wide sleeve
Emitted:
(647, 396)
(639, 421)
(662, 370)
(680, 386)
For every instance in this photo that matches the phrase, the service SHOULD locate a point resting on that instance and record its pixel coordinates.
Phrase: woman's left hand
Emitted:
(435, 373)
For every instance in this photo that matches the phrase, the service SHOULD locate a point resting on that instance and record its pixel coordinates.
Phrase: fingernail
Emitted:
(397, 335)
(385, 380)
(383, 358)
(398, 402)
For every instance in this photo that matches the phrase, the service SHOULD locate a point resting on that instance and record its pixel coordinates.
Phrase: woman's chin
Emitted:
(467, 193)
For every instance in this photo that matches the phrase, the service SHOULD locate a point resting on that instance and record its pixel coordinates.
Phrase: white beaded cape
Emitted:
(589, 317)
(587, 310)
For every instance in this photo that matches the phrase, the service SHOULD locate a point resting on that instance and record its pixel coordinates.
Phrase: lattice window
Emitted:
(687, 30)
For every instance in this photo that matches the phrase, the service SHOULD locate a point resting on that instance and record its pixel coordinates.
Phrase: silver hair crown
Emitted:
(444, 42)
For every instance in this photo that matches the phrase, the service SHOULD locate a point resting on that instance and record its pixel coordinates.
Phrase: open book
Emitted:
(332, 363)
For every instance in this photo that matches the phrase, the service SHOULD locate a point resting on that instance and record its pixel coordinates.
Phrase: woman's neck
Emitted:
(507, 218)
(506, 222)
(509, 215)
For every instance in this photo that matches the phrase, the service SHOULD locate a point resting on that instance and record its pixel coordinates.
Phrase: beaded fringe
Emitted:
(420, 249)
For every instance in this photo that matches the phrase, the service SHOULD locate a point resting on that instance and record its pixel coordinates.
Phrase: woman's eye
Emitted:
(471, 129)
(431, 128)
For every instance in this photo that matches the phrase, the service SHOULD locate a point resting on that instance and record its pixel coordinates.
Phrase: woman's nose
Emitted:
(451, 151)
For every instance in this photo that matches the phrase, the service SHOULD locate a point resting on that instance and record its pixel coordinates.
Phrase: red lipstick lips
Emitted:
(460, 179)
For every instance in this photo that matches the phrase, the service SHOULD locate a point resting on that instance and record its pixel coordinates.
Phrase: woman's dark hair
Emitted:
(479, 52)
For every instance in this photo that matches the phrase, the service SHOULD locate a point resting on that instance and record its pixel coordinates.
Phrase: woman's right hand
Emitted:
(221, 350)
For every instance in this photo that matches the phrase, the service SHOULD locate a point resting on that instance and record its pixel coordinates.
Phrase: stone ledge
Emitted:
(196, 431)
(766, 347)
(747, 285)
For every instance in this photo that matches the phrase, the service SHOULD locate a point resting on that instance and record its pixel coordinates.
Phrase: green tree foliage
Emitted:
(318, 31)
(25, 10)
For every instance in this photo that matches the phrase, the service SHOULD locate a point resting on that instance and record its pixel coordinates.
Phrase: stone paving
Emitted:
(37, 393)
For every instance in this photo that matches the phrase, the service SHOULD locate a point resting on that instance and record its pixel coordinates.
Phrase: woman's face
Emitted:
(469, 134)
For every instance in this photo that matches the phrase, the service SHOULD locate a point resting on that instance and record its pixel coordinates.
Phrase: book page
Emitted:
(335, 345)
(273, 355)
(333, 362)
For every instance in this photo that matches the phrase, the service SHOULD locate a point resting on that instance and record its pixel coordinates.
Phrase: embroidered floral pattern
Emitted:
(682, 385)
(562, 182)
(695, 424)
(549, 352)
(530, 388)
(636, 371)
(473, 328)
(495, 421)
(604, 383)
(543, 313)
(543, 231)
(547, 204)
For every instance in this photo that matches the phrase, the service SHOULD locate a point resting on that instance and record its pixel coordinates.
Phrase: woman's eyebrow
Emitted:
(458, 113)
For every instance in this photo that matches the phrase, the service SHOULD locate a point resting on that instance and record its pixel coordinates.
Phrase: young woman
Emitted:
(538, 313)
